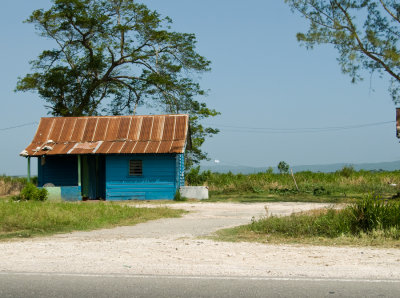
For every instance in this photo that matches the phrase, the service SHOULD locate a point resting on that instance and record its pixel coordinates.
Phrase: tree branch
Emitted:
(361, 45)
(389, 11)
(128, 77)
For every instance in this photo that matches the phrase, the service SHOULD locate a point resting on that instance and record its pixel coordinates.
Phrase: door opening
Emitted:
(93, 177)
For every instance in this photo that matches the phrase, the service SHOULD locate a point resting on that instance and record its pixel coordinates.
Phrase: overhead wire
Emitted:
(274, 130)
(18, 126)
(268, 130)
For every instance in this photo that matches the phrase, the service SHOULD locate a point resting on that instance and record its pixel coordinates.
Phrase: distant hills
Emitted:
(379, 166)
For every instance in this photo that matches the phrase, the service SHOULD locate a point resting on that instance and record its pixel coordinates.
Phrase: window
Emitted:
(135, 168)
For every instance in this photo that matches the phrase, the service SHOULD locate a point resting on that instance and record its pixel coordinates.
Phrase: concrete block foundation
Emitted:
(194, 192)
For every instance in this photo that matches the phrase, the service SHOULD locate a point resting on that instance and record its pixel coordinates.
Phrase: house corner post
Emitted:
(79, 170)
(29, 169)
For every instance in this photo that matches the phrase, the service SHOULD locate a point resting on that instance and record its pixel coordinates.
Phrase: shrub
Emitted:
(31, 193)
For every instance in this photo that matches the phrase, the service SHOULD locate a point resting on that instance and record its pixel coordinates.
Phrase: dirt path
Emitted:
(171, 246)
(202, 219)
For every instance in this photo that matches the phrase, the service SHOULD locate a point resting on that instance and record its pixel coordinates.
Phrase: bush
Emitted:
(31, 193)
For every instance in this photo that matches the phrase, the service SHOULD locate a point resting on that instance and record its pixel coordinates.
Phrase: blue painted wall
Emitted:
(160, 179)
(71, 193)
(60, 170)
(65, 193)
(162, 176)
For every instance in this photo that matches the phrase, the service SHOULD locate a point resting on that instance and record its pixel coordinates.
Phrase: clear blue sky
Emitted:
(260, 78)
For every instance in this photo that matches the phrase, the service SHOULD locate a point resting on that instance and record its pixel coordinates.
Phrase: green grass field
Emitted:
(346, 185)
(26, 219)
(267, 197)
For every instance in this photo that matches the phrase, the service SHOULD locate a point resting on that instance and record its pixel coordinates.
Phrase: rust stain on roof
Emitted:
(89, 130)
(123, 129)
(65, 134)
(110, 135)
(168, 132)
(145, 132)
(135, 127)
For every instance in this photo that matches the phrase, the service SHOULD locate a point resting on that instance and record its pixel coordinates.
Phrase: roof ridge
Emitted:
(114, 116)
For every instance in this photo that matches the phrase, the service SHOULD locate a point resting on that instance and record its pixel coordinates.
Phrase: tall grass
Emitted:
(374, 214)
(344, 183)
(328, 224)
(24, 219)
(368, 215)
(13, 185)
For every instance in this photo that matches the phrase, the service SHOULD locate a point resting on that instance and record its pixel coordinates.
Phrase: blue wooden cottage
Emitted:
(110, 157)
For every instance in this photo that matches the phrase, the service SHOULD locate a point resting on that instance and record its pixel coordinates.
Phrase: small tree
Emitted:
(283, 167)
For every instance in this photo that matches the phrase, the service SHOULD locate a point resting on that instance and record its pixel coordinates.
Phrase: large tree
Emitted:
(111, 56)
(365, 32)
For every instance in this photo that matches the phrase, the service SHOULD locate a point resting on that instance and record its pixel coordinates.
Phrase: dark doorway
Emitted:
(93, 177)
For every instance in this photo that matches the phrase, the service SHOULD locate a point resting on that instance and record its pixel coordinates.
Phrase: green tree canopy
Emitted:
(365, 32)
(111, 56)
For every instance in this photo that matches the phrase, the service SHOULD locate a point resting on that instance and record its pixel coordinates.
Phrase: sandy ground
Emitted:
(172, 247)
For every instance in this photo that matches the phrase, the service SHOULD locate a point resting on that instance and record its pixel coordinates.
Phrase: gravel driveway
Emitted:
(171, 247)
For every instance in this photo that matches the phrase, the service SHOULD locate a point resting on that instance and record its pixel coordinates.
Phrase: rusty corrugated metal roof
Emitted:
(109, 135)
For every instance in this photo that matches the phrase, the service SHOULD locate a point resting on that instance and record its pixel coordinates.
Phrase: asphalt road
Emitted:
(91, 285)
